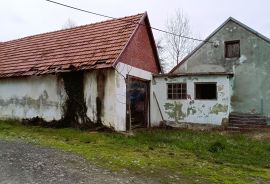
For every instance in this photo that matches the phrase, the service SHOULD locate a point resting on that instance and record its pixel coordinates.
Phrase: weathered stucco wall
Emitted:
(120, 103)
(112, 89)
(28, 97)
(45, 96)
(191, 110)
(101, 83)
(251, 89)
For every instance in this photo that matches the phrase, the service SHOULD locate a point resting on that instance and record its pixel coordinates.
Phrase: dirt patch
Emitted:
(25, 163)
(260, 135)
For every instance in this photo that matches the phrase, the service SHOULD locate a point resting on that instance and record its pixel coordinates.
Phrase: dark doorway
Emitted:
(137, 103)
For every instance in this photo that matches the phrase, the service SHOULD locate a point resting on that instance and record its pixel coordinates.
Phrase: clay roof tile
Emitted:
(56, 51)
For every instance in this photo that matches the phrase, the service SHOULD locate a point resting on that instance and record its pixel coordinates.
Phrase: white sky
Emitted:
(21, 18)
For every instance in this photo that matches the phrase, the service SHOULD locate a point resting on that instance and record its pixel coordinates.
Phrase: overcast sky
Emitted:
(20, 18)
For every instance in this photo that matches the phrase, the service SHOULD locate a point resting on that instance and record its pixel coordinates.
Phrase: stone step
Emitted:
(240, 115)
(247, 119)
(255, 118)
(237, 129)
(247, 125)
(242, 129)
(247, 122)
(242, 122)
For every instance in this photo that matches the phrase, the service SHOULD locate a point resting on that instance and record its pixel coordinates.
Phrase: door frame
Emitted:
(147, 115)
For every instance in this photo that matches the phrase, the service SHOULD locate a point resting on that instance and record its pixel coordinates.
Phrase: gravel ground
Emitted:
(25, 163)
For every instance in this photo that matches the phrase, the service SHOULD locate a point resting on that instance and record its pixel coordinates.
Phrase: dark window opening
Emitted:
(177, 91)
(232, 49)
(206, 91)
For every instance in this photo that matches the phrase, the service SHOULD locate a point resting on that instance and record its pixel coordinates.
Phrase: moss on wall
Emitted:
(75, 106)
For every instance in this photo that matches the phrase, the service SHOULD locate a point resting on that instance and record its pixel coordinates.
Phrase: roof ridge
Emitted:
(257, 33)
(77, 27)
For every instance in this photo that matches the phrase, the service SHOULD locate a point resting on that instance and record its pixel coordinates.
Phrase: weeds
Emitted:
(168, 154)
(216, 147)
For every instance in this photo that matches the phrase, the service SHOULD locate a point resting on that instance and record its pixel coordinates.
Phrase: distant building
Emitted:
(227, 73)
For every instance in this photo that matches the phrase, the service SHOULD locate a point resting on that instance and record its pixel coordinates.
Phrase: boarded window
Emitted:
(205, 91)
(177, 90)
(232, 49)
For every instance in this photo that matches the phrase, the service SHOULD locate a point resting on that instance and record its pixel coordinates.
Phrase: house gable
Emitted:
(140, 51)
(250, 84)
(209, 56)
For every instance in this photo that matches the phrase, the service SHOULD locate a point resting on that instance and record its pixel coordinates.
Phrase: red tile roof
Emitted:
(85, 47)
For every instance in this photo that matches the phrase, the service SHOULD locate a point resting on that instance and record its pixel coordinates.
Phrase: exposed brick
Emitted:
(140, 52)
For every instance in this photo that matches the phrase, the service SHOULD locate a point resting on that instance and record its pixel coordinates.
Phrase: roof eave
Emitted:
(195, 74)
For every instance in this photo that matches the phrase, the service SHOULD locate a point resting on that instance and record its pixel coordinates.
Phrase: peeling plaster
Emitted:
(251, 69)
(190, 109)
(174, 111)
(242, 59)
(219, 108)
(193, 78)
(119, 103)
(220, 87)
(38, 96)
(29, 102)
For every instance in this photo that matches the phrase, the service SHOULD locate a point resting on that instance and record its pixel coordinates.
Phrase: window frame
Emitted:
(195, 94)
(226, 43)
(172, 93)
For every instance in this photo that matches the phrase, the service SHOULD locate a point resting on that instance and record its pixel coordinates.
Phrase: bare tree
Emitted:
(161, 53)
(69, 24)
(177, 47)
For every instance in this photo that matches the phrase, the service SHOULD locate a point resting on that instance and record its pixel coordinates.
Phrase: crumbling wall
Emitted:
(191, 110)
(99, 90)
(125, 70)
(78, 99)
(28, 97)
(75, 109)
(250, 86)
(73, 99)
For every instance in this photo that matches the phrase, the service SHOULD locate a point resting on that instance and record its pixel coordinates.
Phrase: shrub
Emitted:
(216, 147)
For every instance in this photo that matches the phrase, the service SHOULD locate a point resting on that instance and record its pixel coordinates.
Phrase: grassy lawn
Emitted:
(167, 155)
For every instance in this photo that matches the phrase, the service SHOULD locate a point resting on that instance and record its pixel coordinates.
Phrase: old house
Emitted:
(81, 75)
(226, 74)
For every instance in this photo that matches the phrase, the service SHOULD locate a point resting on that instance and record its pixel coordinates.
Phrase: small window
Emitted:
(206, 91)
(232, 49)
(177, 91)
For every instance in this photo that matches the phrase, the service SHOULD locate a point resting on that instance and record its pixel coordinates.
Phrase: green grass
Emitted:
(168, 155)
